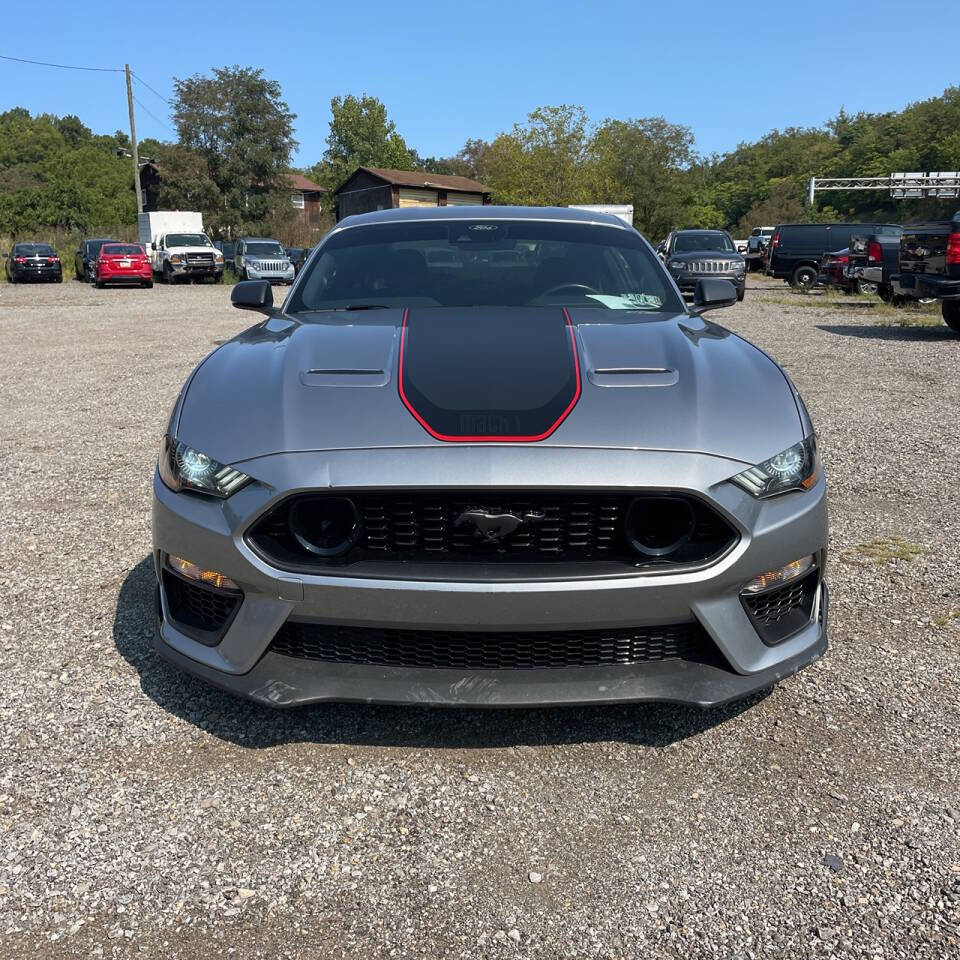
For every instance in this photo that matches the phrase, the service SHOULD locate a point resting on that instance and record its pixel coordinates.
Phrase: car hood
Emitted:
(642, 382)
(199, 249)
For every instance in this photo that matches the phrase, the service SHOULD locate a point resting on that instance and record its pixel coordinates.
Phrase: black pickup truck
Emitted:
(872, 260)
(930, 266)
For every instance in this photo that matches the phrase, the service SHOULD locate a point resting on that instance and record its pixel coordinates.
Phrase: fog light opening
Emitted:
(659, 526)
(191, 571)
(777, 578)
(325, 526)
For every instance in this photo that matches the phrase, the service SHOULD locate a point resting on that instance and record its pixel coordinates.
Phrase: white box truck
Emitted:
(178, 247)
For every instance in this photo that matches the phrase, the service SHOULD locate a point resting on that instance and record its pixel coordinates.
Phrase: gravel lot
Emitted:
(143, 814)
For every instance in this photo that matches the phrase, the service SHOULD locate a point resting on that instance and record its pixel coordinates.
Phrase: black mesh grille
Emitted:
(424, 527)
(780, 613)
(199, 611)
(494, 650)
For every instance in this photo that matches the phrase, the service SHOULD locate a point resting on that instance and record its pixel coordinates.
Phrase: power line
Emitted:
(147, 111)
(64, 66)
(147, 85)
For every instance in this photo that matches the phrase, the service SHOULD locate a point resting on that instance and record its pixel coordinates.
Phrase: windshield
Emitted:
(127, 249)
(466, 263)
(187, 240)
(33, 250)
(689, 242)
(264, 248)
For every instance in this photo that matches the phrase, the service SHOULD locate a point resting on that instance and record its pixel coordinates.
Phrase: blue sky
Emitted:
(449, 71)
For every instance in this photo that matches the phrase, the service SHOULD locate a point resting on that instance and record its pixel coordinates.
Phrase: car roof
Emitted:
(258, 239)
(484, 212)
(831, 223)
(699, 230)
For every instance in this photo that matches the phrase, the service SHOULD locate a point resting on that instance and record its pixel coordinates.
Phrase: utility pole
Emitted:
(133, 143)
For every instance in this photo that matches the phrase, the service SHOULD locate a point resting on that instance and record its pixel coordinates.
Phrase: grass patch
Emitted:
(886, 549)
(947, 618)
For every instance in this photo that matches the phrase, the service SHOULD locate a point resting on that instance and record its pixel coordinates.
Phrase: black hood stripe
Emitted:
(489, 375)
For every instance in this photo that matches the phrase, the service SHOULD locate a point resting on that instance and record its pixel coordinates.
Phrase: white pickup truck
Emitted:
(178, 247)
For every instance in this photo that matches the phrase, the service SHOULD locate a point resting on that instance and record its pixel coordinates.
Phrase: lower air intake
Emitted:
(493, 650)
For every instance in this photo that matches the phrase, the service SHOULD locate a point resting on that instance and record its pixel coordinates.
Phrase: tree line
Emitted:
(236, 136)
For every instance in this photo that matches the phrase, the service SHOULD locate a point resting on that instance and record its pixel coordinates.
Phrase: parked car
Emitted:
(263, 258)
(178, 247)
(873, 259)
(691, 255)
(123, 263)
(32, 261)
(796, 249)
(555, 483)
(930, 266)
(84, 260)
(756, 245)
(227, 248)
(833, 272)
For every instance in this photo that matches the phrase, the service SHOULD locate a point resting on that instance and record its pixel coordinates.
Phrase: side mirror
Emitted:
(153, 246)
(256, 295)
(713, 294)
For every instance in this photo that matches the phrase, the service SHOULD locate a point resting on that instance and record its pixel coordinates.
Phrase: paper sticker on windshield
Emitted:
(627, 301)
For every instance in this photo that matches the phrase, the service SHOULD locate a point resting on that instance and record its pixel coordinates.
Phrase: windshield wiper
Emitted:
(364, 306)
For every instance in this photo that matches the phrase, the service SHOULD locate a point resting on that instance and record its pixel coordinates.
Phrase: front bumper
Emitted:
(210, 533)
(687, 282)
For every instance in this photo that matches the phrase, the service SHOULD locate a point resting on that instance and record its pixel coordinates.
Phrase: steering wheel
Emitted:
(568, 286)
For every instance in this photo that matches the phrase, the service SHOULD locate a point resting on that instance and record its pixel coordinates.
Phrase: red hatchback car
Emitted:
(123, 263)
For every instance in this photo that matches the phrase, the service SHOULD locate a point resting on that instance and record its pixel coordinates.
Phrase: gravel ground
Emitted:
(144, 814)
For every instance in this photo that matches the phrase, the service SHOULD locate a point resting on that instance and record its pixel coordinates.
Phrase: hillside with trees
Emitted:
(236, 135)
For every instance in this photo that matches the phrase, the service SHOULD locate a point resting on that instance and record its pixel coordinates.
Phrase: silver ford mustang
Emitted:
(487, 456)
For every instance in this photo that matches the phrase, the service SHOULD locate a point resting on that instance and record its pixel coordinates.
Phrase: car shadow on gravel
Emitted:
(252, 725)
(876, 331)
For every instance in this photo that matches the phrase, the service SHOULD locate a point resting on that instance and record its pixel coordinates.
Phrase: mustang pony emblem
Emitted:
(493, 527)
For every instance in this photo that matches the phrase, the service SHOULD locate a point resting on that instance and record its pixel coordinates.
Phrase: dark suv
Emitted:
(692, 255)
(796, 249)
(85, 259)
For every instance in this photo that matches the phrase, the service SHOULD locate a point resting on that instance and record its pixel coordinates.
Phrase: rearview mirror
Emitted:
(254, 295)
(713, 294)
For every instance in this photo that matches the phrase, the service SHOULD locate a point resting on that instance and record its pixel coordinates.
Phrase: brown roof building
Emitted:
(306, 197)
(377, 188)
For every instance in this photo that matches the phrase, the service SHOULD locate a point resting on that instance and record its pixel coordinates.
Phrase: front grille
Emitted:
(272, 266)
(494, 650)
(780, 613)
(711, 266)
(578, 527)
(199, 611)
(200, 259)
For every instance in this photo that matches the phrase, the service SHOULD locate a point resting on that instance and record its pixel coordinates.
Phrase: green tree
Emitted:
(646, 162)
(240, 132)
(361, 135)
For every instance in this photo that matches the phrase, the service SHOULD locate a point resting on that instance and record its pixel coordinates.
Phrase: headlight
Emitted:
(218, 257)
(676, 265)
(175, 258)
(796, 468)
(183, 468)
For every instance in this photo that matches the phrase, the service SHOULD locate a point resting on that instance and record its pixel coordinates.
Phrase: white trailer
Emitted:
(622, 210)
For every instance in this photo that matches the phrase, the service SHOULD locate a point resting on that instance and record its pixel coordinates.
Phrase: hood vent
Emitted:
(633, 377)
(345, 377)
